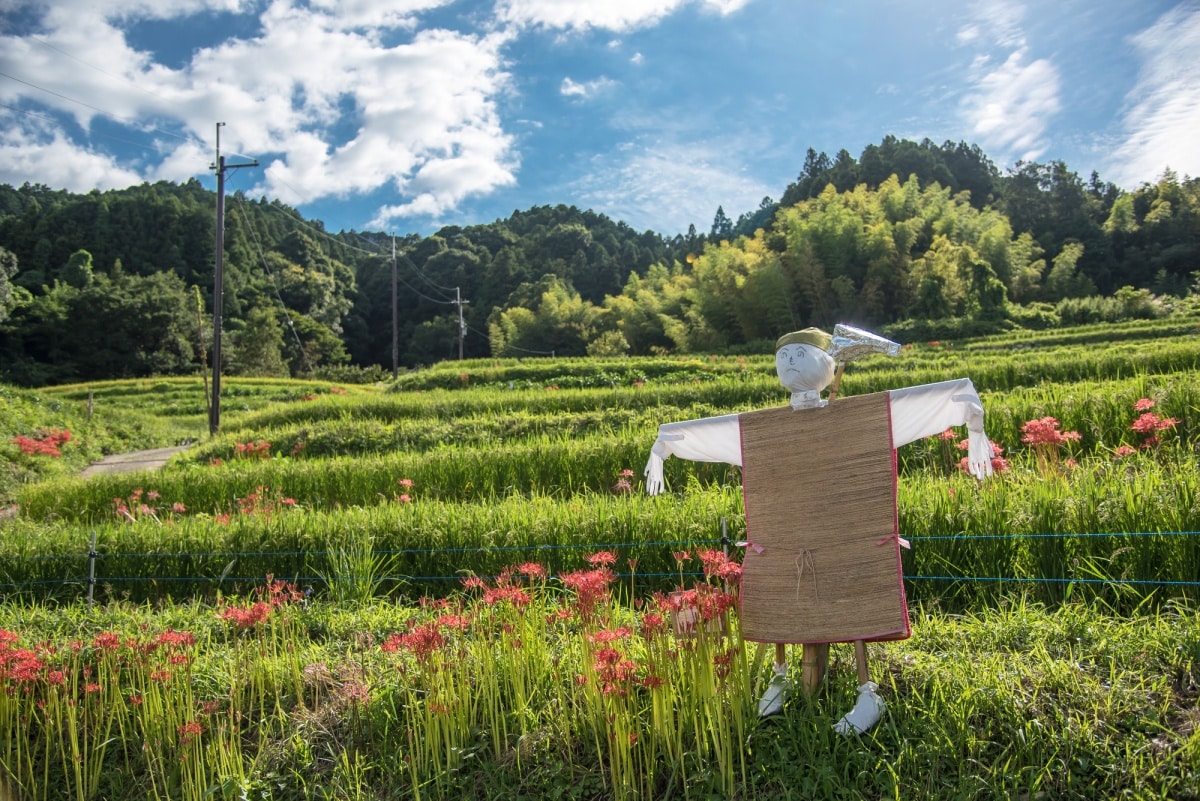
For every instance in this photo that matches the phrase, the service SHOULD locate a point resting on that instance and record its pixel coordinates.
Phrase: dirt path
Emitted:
(137, 460)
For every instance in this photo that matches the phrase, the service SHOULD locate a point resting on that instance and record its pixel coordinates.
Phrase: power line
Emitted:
(100, 111)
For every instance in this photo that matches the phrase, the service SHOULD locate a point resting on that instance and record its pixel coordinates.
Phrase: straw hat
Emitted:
(807, 336)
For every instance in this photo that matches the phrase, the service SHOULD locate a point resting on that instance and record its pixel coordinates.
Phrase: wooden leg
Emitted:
(780, 654)
(860, 660)
(815, 663)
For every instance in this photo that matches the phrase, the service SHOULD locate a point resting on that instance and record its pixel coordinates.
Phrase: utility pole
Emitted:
(462, 326)
(214, 411)
(395, 322)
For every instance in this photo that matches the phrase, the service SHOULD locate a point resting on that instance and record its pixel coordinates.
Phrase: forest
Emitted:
(918, 240)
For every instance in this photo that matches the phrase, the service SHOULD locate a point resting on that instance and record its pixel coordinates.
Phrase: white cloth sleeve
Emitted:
(932, 408)
(711, 439)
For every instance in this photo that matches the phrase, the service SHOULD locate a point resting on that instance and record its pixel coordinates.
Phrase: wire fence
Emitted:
(85, 571)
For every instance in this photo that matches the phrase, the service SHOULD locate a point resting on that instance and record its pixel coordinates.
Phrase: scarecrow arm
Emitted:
(932, 408)
(711, 439)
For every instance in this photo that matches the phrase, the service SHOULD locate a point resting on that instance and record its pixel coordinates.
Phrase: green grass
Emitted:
(1056, 635)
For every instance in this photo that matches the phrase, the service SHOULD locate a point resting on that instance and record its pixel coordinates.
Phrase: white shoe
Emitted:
(866, 712)
(776, 693)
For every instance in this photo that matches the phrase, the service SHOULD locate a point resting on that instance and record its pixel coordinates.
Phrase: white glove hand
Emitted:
(654, 474)
(979, 454)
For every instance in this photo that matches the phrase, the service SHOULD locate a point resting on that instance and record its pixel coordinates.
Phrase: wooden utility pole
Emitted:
(214, 410)
(462, 326)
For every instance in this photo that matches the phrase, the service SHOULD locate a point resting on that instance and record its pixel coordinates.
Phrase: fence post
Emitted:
(89, 406)
(92, 568)
(724, 539)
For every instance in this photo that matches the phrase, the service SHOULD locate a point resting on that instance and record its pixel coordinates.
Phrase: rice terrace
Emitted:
(455, 586)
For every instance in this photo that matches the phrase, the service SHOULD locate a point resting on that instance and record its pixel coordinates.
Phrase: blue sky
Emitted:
(407, 115)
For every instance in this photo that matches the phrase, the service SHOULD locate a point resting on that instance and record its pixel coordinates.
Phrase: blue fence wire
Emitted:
(586, 546)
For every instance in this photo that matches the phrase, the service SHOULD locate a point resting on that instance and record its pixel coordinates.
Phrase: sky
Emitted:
(404, 116)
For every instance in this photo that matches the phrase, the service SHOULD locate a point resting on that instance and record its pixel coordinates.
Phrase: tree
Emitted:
(78, 272)
(258, 346)
(722, 227)
(8, 269)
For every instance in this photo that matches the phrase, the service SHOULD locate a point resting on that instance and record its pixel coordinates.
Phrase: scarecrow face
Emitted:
(803, 367)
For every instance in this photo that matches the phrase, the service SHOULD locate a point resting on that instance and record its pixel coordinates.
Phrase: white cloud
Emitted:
(610, 15)
(668, 186)
(1163, 115)
(994, 21)
(1009, 108)
(1010, 99)
(54, 161)
(637, 58)
(327, 107)
(570, 88)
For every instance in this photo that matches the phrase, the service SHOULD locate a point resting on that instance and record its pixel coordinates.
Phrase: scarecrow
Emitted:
(822, 560)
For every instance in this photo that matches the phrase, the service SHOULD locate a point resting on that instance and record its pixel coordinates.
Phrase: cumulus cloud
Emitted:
(668, 186)
(328, 108)
(1163, 109)
(58, 163)
(610, 15)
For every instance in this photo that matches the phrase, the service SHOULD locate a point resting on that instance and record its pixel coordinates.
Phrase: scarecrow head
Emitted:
(802, 360)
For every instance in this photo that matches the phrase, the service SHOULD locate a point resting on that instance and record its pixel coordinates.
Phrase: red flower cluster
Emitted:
(246, 617)
(18, 664)
(590, 586)
(614, 671)
(254, 450)
(264, 501)
(421, 641)
(47, 443)
(1150, 424)
(717, 565)
(999, 463)
(274, 595)
(1044, 431)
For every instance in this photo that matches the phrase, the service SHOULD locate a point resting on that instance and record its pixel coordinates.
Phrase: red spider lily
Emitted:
(246, 617)
(651, 682)
(652, 624)
(177, 640)
(46, 443)
(1123, 451)
(474, 583)
(723, 662)
(610, 635)
(516, 596)
(613, 671)
(680, 557)
(253, 450)
(716, 564)
(279, 593)
(602, 558)
(1143, 405)
(533, 570)
(421, 641)
(405, 482)
(189, 732)
(590, 586)
(108, 641)
(1044, 431)
(459, 622)
(1149, 422)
